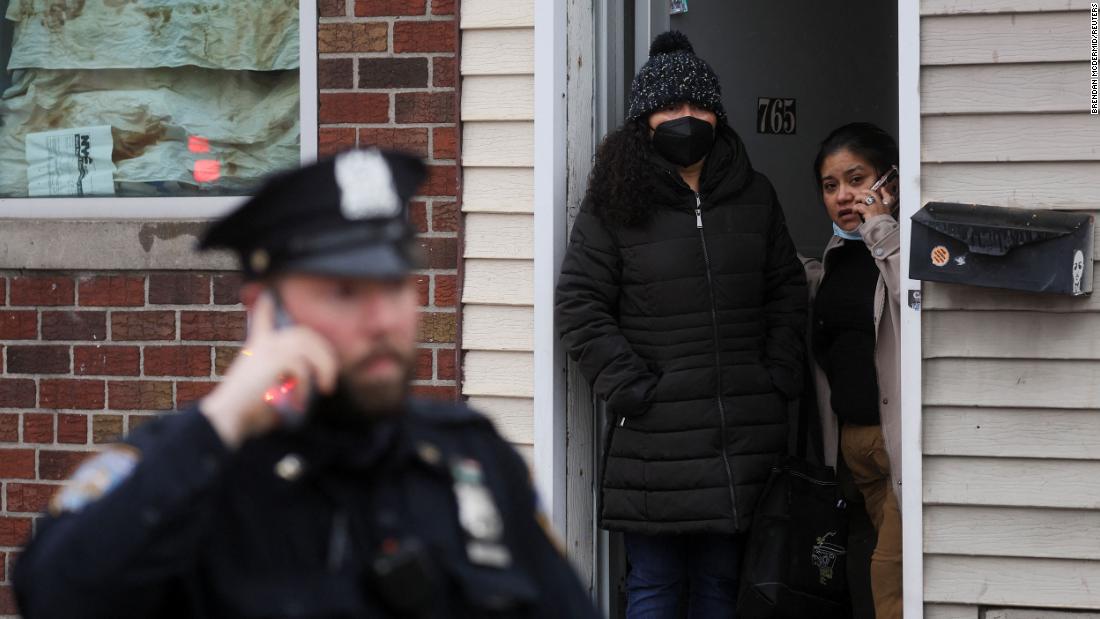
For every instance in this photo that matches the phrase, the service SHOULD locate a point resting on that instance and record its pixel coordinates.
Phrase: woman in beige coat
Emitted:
(855, 336)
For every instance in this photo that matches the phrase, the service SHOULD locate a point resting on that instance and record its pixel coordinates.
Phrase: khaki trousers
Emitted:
(865, 455)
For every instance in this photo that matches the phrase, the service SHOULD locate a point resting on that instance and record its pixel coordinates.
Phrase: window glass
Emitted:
(146, 98)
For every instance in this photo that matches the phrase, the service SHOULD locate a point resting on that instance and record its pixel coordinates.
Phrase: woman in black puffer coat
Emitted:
(683, 301)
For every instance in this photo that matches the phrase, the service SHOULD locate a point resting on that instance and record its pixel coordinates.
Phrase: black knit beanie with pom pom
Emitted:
(674, 73)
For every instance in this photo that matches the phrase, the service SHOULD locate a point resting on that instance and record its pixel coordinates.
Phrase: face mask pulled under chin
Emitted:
(683, 141)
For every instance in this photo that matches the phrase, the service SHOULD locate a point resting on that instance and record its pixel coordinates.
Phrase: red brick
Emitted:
(177, 361)
(334, 140)
(445, 364)
(179, 289)
(106, 360)
(432, 36)
(139, 395)
(386, 8)
(224, 356)
(437, 327)
(393, 73)
(443, 72)
(227, 286)
(106, 428)
(445, 217)
(418, 216)
(17, 393)
(38, 360)
(66, 393)
(9, 428)
(443, 7)
(336, 73)
(413, 140)
(112, 291)
(19, 325)
(434, 393)
(72, 429)
(38, 427)
(446, 290)
(42, 290)
(423, 289)
(4, 578)
(59, 465)
(74, 326)
(445, 143)
(442, 181)
(31, 498)
(440, 253)
(424, 107)
(213, 326)
(354, 107)
(331, 8)
(17, 463)
(7, 600)
(352, 38)
(14, 531)
(424, 364)
(148, 325)
(188, 392)
(3, 291)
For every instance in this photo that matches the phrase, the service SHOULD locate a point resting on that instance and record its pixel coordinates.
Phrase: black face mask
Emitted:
(683, 141)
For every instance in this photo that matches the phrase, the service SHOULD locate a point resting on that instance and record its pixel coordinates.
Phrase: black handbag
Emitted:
(795, 563)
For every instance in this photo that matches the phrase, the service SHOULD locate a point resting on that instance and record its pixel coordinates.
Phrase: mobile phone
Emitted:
(289, 398)
(890, 175)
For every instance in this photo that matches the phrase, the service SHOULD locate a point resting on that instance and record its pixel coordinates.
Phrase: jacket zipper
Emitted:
(717, 353)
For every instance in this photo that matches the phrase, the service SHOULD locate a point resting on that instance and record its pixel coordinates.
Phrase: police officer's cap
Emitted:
(343, 216)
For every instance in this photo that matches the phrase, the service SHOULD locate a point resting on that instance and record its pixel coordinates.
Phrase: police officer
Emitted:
(308, 484)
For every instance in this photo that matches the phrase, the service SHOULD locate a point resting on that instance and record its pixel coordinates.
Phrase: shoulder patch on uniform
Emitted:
(95, 478)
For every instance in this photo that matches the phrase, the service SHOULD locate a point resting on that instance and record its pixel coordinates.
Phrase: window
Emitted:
(150, 107)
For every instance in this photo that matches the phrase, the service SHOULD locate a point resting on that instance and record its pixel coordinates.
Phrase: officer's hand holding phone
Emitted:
(241, 407)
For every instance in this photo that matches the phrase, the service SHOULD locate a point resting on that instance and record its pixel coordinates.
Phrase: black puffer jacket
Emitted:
(690, 326)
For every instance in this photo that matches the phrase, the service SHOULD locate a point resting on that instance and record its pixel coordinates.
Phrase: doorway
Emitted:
(791, 72)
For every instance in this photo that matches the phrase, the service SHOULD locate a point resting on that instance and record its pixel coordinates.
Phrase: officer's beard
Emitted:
(375, 396)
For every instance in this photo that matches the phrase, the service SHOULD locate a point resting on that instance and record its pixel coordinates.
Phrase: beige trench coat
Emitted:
(882, 236)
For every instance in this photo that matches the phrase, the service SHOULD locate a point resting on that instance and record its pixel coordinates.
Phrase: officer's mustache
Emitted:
(383, 350)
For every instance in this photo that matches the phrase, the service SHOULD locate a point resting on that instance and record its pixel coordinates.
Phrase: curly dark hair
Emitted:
(620, 186)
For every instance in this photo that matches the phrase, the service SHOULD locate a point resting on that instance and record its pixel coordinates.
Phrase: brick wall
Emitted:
(88, 356)
(387, 71)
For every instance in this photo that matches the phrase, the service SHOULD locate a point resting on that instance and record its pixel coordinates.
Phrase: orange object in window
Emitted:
(196, 144)
(208, 170)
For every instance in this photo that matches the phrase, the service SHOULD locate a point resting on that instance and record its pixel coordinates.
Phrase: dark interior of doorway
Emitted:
(837, 60)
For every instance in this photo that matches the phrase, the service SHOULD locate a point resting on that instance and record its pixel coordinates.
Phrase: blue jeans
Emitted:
(666, 569)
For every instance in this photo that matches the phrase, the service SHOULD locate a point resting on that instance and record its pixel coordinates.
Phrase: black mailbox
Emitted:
(999, 247)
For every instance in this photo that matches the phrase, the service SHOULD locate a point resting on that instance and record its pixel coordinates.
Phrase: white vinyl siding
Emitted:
(498, 155)
(1011, 380)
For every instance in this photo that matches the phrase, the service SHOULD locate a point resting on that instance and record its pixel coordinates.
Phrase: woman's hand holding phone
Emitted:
(239, 406)
(880, 198)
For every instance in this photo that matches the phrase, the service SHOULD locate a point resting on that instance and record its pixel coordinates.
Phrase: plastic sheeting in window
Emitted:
(257, 35)
(249, 120)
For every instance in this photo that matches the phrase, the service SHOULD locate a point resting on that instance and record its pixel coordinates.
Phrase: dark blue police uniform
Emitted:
(340, 518)
(425, 513)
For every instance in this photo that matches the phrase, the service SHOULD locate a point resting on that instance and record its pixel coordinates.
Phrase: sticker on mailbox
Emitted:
(940, 255)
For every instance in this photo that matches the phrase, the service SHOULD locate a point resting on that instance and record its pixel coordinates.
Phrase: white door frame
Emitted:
(550, 236)
(909, 141)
